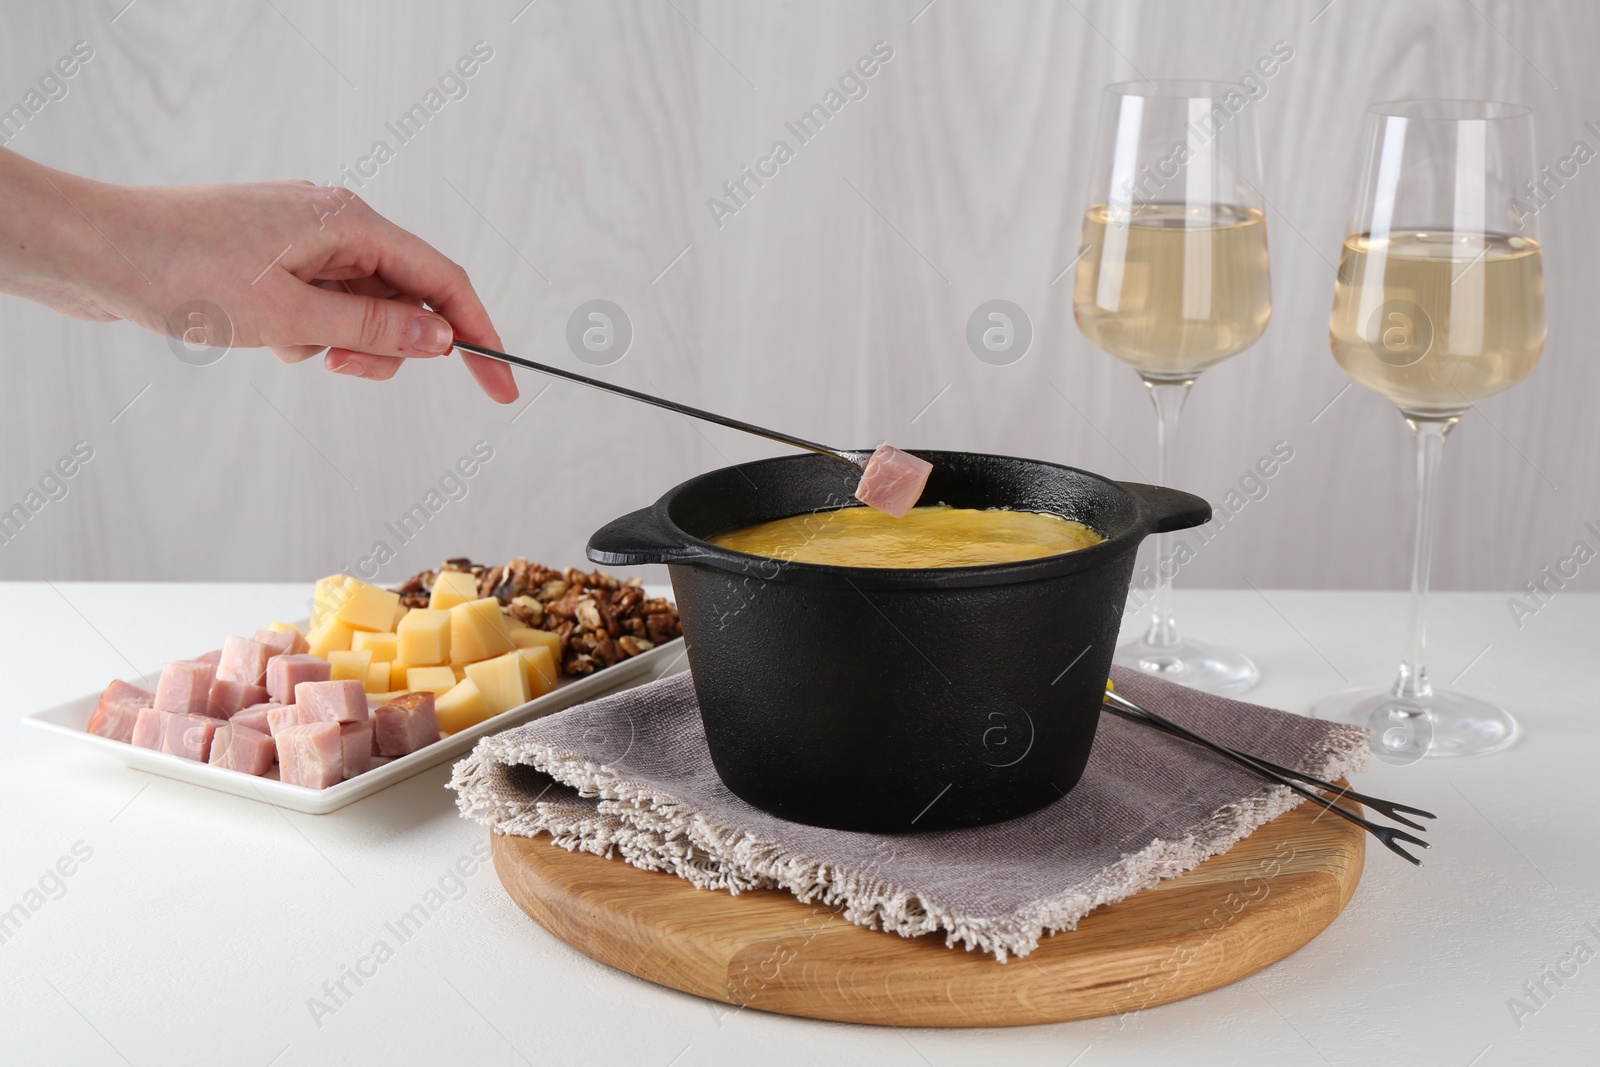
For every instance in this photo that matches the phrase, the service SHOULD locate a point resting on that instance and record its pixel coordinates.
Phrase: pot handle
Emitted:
(1163, 510)
(638, 537)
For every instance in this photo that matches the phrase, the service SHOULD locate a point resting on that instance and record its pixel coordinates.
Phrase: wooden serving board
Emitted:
(1230, 917)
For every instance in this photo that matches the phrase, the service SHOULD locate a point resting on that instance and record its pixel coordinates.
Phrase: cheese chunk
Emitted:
(398, 669)
(451, 588)
(424, 637)
(540, 668)
(503, 681)
(435, 680)
(460, 708)
(377, 680)
(384, 647)
(523, 637)
(326, 598)
(367, 607)
(478, 630)
(331, 636)
(350, 666)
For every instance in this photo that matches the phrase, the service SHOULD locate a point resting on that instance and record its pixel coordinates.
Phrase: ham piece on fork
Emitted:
(893, 481)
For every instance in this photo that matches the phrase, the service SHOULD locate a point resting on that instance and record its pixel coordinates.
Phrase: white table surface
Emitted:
(200, 925)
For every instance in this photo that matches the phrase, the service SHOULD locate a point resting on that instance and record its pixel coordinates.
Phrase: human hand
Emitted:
(295, 267)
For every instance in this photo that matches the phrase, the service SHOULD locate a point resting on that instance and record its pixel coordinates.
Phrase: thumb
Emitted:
(381, 327)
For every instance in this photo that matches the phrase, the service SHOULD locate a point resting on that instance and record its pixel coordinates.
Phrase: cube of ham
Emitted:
(150, 728)
(289, 670)
(283, 715)
(239, 748)
(255, 718)
(283, 642)
(243, 660)
(213, 657)
(228, 698)
(893, 481)
(185, 687)
(189, 736)
(406, 724)
(311, 755)
(356, 740)
(342, 701)
(118, 710)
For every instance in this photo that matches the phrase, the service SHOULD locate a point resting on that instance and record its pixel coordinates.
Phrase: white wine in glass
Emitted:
(1173, 278)
(1438, 304)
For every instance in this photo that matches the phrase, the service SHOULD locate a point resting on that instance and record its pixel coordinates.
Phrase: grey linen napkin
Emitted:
(630, 774)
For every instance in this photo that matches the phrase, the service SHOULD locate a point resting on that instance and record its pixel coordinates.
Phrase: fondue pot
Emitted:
(897, 700)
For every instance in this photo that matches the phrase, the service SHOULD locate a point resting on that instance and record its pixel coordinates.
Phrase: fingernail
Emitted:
(429, 333)
(353, 367)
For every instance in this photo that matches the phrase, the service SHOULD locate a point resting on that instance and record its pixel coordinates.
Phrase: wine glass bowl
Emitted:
(1438, 304)
(1173, 278)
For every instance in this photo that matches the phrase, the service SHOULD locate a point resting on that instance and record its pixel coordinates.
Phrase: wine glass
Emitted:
(1173, 279)
(1439, 303)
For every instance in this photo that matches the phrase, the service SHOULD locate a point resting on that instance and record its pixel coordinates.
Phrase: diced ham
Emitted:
(228, 698)
(283, 642)
(343, 701)
(283, 715)
(289, 670)
(356, 739)
(893, 481)
(239, 748)
(255, 718)
(406, 724)
(311, 755)
(150, 728)
(189, 736)
(118, 710)
(243, 660)
(185, 687)
(213, 657)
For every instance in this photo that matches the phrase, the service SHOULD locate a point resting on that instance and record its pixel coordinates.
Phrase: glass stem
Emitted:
(1168, 397)
(1412, 682)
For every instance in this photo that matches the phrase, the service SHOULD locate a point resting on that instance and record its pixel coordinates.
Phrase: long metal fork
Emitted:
(1127, 709)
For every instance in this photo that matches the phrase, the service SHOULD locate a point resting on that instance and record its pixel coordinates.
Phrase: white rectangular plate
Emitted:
(71, 720)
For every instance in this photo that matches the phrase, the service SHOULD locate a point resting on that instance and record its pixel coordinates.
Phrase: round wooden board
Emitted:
(1230, 917)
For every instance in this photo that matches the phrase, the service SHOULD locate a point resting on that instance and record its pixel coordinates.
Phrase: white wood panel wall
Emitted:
(834, 303)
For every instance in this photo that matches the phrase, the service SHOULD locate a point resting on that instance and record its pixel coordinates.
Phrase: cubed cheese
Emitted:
(541, 670)
(378, 678)
(435, 680)
(523, 637)
(352, 665)
(503, 681)
(451, 588)
(458, 709)
(326, 597)
(398, 670)
(423, 637)
(478, 630)
(384, 647)
(331, 636)
(367, 607)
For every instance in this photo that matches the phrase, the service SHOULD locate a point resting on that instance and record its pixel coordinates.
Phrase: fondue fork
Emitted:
(1127, 709)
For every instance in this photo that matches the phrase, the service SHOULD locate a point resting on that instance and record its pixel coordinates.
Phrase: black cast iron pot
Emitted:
(892, 700)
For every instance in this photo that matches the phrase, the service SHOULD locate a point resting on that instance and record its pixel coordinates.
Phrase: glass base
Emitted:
(1204, 667)
(1405, 730)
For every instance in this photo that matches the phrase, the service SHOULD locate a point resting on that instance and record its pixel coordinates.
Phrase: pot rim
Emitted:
(1156, 509)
